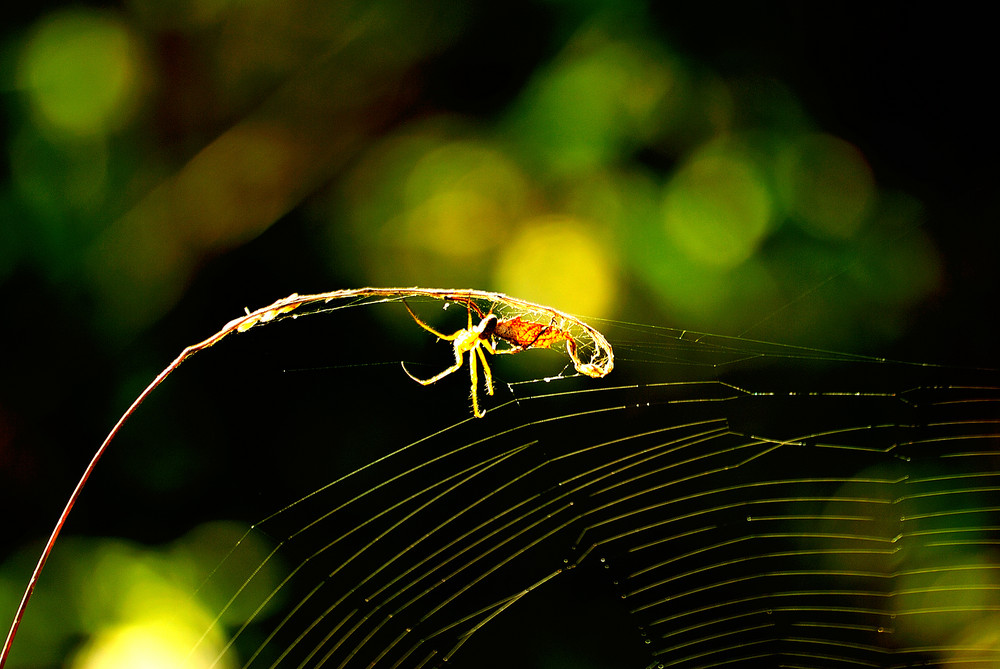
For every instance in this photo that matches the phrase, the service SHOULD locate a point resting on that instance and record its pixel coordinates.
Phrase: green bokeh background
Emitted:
(816, 176)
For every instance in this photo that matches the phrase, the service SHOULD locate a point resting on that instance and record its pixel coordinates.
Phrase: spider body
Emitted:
(518, 333)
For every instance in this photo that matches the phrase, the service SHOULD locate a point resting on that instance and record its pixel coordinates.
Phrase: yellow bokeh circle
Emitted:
(161, 642)
(559, 261)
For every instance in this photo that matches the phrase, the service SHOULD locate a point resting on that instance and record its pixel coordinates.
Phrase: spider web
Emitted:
(716, 501)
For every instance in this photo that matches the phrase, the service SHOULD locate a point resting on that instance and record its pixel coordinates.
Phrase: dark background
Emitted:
(910, 87)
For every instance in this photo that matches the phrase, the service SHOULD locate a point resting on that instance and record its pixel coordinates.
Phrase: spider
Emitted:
(518, 333)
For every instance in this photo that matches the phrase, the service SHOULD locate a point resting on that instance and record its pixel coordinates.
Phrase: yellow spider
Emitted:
(471, 340)
(519, 334)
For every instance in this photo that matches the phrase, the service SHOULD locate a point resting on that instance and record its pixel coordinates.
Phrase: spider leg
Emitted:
(486, 366)
(472, 305)
(427, 327)
(438, 377)
(489, 346)
(474, 374)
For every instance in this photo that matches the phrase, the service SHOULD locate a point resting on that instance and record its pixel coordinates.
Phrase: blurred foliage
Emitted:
(149, 139)
(567, 153)
(135, 604)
